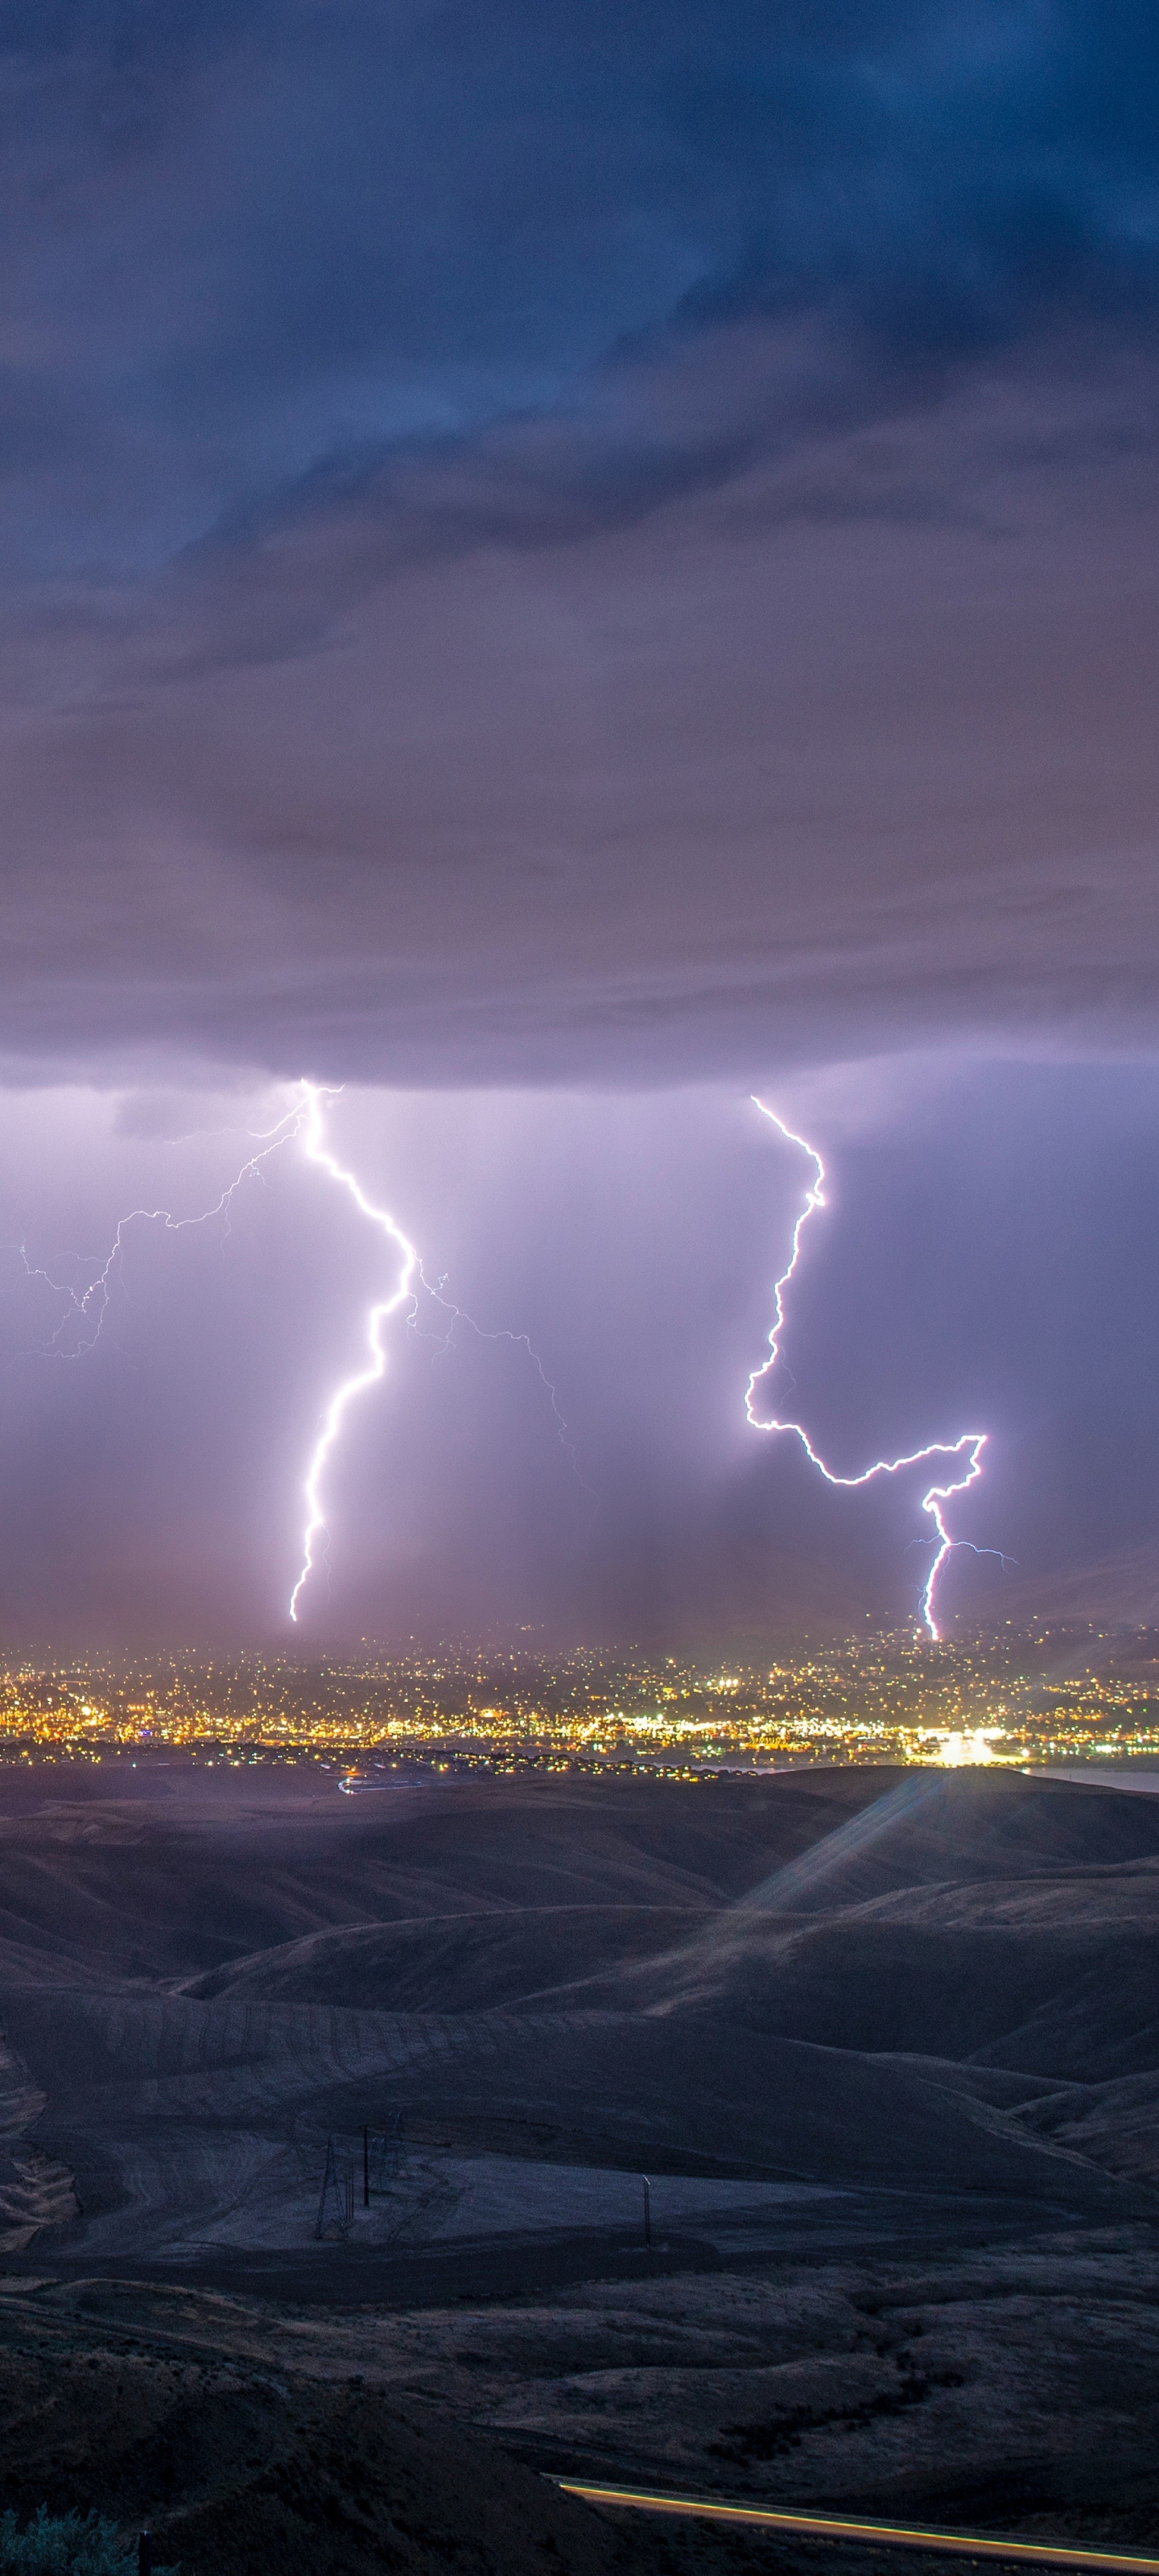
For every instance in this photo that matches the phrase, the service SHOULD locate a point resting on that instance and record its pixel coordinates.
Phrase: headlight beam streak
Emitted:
(894, 2535)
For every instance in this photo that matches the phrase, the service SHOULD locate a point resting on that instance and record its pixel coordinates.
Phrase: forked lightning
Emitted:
(968, 1446)
(401, 1294)
(85, 1310)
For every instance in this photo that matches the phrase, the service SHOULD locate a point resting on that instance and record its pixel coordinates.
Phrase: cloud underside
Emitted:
(727, 786)
(537, 548)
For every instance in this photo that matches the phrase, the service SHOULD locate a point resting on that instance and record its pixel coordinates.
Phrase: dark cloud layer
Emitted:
(599, 550)
(576, 543)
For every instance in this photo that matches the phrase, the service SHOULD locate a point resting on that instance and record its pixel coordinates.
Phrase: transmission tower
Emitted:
(336, 2207)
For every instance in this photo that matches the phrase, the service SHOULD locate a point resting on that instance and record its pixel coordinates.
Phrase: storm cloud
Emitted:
(576, 545)
(559, 566)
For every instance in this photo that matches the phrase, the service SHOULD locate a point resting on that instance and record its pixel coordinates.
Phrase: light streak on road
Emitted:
(894, 2535)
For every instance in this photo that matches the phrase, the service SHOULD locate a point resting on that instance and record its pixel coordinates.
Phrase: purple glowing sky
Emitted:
(560, 568)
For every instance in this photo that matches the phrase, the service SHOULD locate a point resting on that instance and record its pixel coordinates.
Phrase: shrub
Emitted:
(68, 2544)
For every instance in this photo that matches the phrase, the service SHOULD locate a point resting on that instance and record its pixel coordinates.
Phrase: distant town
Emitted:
(1059, 1694)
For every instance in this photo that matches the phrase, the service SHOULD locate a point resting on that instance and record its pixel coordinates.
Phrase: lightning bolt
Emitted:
(967, 1448)
(518, 1342)
(85, 1308)
(317, 1151)
(404, 1293)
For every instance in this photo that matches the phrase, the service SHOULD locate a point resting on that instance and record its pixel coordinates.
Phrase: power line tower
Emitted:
(382, 2156)
(335, 2208)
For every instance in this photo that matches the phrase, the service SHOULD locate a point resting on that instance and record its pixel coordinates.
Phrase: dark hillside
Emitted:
(793, 1980)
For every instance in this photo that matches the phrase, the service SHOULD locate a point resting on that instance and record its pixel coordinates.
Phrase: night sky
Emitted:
(562, 567)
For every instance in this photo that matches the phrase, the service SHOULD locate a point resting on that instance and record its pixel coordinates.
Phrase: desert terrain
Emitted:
(885, 2046)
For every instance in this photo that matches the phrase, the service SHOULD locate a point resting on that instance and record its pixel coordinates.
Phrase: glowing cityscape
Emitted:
(1062, 1695)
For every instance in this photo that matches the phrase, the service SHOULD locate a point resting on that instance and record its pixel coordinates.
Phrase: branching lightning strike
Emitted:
(85, 1309)
(403, 1294)
(968, 1447)
(518, 1342)
(318, 1152)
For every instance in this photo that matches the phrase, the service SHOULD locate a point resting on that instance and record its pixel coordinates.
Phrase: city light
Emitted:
(1014, 1701)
